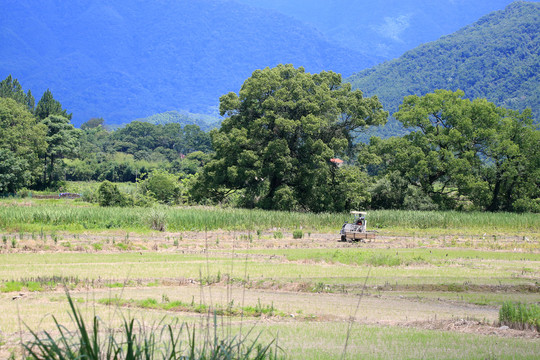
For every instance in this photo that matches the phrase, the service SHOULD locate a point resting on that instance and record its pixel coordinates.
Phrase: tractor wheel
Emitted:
(343, 238)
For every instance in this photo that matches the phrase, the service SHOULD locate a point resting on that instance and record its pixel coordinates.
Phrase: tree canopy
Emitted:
(462, 150)
(279, 135)
(22, 141)
(47, 105)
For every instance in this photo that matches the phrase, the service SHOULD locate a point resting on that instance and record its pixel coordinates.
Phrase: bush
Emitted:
(297, 234)
(527, 205)
(162, 186)
(416, 199)
(109, 195)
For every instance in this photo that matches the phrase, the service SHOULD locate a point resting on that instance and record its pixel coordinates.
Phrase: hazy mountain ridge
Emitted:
(123, 60)
(385, 28)
(497, 57)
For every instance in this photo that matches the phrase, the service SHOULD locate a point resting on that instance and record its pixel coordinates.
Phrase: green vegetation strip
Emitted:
(116, 267)
(396, 257)
(70, 216)
(229, 310)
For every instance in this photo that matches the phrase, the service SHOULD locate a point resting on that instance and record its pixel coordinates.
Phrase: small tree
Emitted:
(47, 106)
(162, 186)
(109, 195)
(22, 140)
(62, 139)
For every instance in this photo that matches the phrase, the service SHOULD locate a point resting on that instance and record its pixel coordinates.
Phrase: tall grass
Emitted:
(520, 316)
(65, 215)
(135, 341)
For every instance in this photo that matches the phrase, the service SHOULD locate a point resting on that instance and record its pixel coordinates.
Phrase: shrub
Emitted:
(527, 205)
(157, 219)
(162, 186)
(109, 195)
(297, 234)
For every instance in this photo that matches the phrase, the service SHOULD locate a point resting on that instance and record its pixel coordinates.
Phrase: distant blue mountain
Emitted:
(128, 59)
(385, 28)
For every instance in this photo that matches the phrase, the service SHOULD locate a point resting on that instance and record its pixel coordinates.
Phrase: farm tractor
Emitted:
(356, 230)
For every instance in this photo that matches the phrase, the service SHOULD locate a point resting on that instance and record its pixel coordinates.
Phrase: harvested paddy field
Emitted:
(416, 295)
(428, 289)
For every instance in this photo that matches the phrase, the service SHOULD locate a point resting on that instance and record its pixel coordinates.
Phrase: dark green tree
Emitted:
(279, 135)
(22, 140)
(162, 186)
(62, 139)
(92, 123)
(11, 88)
(109, 195)
(47, 106)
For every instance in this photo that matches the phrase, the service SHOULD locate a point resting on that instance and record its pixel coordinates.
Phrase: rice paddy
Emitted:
(435, 283)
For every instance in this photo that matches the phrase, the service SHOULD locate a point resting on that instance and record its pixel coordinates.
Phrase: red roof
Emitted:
(336, 161)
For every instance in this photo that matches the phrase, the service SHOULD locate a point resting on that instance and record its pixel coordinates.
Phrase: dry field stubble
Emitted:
(439, 299)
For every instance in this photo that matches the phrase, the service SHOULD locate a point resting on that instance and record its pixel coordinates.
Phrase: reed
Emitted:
(520, 316)
(64, 215)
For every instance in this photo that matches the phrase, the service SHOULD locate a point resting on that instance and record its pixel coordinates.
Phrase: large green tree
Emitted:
(462, 150)
(22, 140)
(279, 135)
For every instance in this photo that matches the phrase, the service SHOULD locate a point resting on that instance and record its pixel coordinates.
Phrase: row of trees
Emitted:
(33, 141)
(289, 141)
(40, 148)
(459, 153)
(275, 147)
(138, 148)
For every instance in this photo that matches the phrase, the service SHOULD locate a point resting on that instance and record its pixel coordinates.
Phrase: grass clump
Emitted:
(520, 316)
(135, 341)
(298, 234)
(16, 286)
(157, 219)
(12, 286)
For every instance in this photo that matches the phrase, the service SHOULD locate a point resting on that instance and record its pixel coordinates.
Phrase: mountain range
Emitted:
(131, 59)
(497, 58)
(126, 59)
(385, 28)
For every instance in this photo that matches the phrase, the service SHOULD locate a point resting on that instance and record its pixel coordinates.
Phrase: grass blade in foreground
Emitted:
(135, 343)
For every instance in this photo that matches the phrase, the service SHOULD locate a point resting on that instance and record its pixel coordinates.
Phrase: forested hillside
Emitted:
(205, 122)
(123, 60)
(385, 28)
(498, 58)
